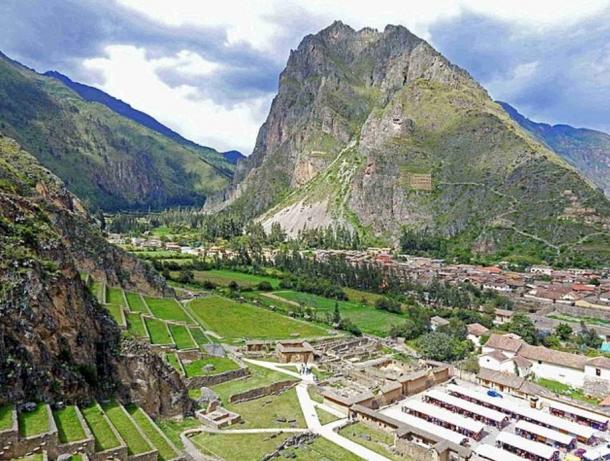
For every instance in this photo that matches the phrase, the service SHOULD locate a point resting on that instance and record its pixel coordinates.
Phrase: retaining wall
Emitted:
(212, 380)
(259, 392)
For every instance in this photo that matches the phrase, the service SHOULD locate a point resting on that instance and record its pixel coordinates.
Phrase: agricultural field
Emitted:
(158, 331)
(281, 410)
(68, 425)
(115, 296)
(116, 312)
(174, 361)
(199, 336)
(135, 326)
(238, 447)
(105, 438)
(167, 309)
(225, 277)
(154, 434)
(97, 288)
(34, 422)
(6, 417)
(369, 319)
(182, 337)
(136, 444)
(220, 365)
(234, 321)
(259, 377)
(136, 304)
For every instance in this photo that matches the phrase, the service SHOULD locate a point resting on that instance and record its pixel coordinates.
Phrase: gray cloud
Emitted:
(568, 66)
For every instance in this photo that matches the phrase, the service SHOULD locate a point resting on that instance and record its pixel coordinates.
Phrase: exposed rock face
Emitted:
(388, 133)
(56, 342)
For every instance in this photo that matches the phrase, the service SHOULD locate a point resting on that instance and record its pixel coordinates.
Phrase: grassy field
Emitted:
(264, 412)
(198, 336)
(225, 277)
(358, 296)
(173, 360)
(116, 312)
(167, 309)
(221, 364)
(154, 434)
(574, 319)
(68, 425)
(369, 319)
(34, 457)
(102, 432)
(6, 417)
(158, 331)
(34, 422)
(238, 447)
(136, 444)
(259, 377)
(115, 296)
(181, 336)
(172, 428)
(374, 439)
(97, 289)
(135, 325)
(233, 320)
(320, 449)
(564, 389)
(135, 303)
(325, 417)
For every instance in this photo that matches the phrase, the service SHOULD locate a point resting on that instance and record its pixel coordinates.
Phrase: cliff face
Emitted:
(588, 150)
(56, 342)
(377, 130)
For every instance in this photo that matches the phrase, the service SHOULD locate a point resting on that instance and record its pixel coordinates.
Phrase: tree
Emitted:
(408, 330)
(564, 331)
(186, 276)
(521, 325)
(264, 286)
(456, 328)
(588, 337)
(442, 347)
(336, 314)
(388, 304)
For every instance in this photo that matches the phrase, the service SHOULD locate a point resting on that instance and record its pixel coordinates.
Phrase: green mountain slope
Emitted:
(378, 131)
(105, 159)
(588, 150)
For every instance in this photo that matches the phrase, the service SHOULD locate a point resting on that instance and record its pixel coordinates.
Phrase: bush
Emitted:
(264, 286)
(208, 285)
(389, 305)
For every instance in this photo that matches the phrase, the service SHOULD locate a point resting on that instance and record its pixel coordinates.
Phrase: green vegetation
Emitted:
(238, 447)
(34, 457)
(359, 296)
(117, 313)
(135, 326)
(6, 416)
(369, 319)
(564, 389)
(105, 439)
(172, 429)
(259, 377)
(181, 336)
(135, 303)
(320, 449)
(97, 288)
(174, 361)
(575, 319)
(68, 425)
(233, 321)
(374, 439)
(198, 336)
(223, 278)
(281, 410)
(136, 444)
(34, 422)
(167, 309)
(154, 434)
(325, 417)
(115, 296)
(219, 364)
(158, 331)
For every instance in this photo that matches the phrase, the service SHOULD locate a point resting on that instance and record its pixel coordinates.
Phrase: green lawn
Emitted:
(233, 320)
(68, 425)
(115, 296)
(158, 331)
(369, 319)
(563, 389)
(238, 447)
(198, 336)
(259, 377)
(116, 312)
(320, 449)
(167, 309)
(376, 440)
(221, 364)
(181, 336)
(102, 432)
(135, 303)
(225, 277)
(172, 428)
(325, 417)
(173, 360)
(358, 296)
(6, 417)
(34, 422)
(136, 444)
(97, 288)
(263, 412)
(154, 434)
(135, 325)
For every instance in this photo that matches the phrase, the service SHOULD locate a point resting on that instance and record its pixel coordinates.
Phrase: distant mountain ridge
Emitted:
(586, 149)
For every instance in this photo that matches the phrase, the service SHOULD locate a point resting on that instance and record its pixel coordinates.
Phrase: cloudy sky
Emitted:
(209, 69)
